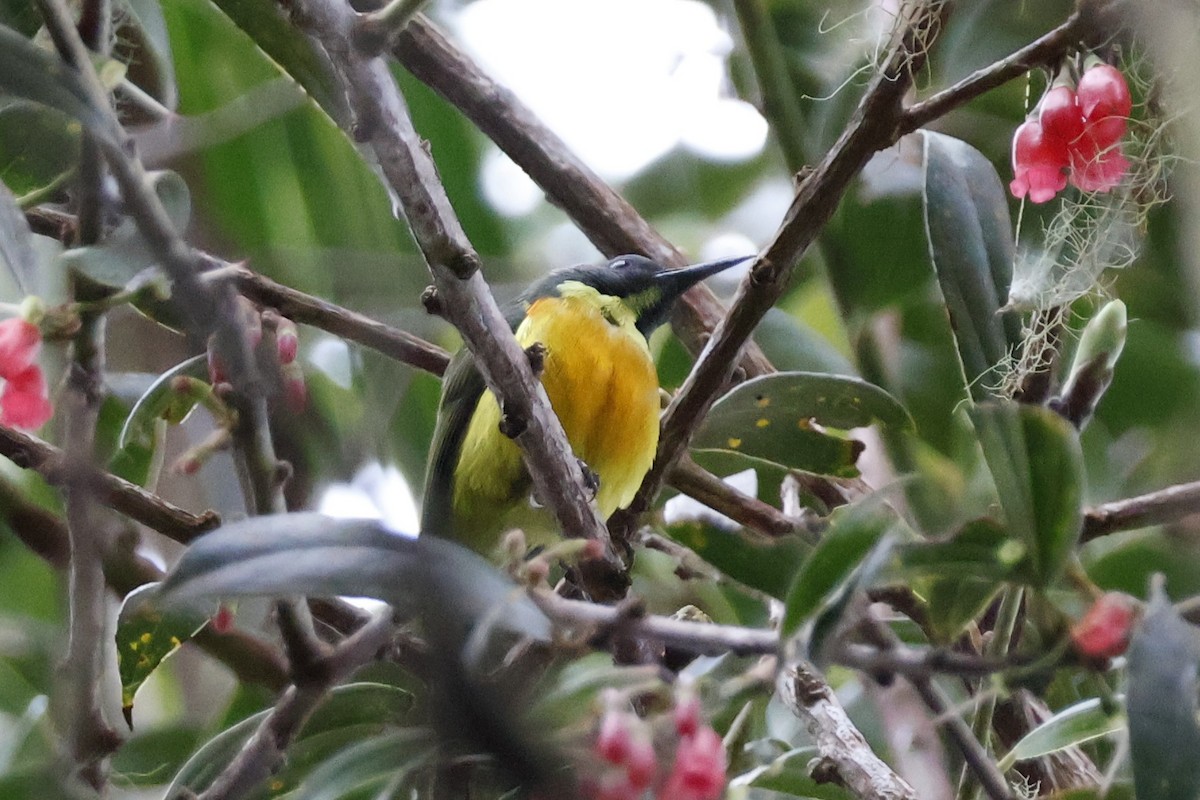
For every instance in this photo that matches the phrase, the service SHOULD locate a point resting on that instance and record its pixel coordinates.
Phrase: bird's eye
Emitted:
(620, 263)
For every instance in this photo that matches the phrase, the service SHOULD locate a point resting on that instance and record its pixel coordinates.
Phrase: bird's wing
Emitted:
(462, 387)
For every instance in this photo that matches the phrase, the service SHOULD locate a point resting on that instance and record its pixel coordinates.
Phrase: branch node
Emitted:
(432, 301)
(536, 353)
(463, 264)
(513, 425)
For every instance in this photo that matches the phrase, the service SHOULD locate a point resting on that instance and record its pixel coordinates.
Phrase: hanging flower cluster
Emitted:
(626, 744)
(1075, 137)
(24, 401)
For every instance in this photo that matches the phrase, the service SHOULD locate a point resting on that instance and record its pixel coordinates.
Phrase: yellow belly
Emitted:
(603, 386)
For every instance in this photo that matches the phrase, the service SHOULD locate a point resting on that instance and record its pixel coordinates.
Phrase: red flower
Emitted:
(24, 401)
(1104, 630)
(1039, 163)
(1104, 94)
(1060, 115)
(699, 770)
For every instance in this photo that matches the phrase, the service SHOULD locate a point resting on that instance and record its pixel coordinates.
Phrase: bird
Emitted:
(593, 322)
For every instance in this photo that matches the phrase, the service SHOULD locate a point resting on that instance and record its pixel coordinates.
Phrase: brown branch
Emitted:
(384, 123)
(606, 218)
(873, 127)
(694, 637)
(1155, 508)
(127, 498)
(1085, 23)
(701, 485)
(841, 746)
(264, 750)
(300, 307)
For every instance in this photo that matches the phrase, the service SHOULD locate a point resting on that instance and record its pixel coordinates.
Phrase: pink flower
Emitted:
(24, 401)
(19, 343)
(1096, 166)
(1039, 164)
(699, 770)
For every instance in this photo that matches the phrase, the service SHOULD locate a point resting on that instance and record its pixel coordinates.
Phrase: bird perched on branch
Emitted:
(593, 322)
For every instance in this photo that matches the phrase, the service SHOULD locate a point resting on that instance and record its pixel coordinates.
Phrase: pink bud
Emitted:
(287, 340)
(295, 390)
(1104, 630)
(222, 621)
(615, 741)
(687, 713)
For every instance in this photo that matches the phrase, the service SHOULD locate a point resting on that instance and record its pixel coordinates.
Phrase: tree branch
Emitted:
(873, 127)
(840, 744)
(384, 123)
(606, 218)
(264, 750)
(1155, 508)
(127, 498)
(297, 306)
(701, 485)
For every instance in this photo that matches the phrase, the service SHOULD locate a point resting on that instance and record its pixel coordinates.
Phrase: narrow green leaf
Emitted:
(1037, 465)
(159, 402)
(970, 241)
(38, 145)
(852, 533)
(148, 632)
(1072, 726)
(955, 602)
(1164, 736)
(981, 550)
(312, 554)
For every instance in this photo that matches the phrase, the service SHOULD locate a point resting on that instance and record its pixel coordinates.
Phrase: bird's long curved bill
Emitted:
(675, 282)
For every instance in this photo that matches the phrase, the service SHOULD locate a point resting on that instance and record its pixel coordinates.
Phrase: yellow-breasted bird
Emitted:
(593, 322)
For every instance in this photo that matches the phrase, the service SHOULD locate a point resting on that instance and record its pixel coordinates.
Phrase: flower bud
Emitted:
(1104, 630)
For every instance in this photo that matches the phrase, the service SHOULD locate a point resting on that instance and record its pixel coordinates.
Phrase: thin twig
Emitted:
(1156, 508)
(1044, 52)
(700, 484)
(384, 123)
(606, 218)
(300, 307)
(127, 498)
(841, 745)
(694, 637)
(872, 128)
(264, 750)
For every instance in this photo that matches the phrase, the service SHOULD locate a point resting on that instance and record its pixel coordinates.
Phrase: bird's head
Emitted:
(637, 286)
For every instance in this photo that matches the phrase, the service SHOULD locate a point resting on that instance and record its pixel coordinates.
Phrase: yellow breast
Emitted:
(603, 386)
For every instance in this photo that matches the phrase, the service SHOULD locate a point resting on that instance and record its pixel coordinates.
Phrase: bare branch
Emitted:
(872, 128)
(384, 123)
(1165, 505)
(128, 498)
(331, 318)
(606, 218)
(264, 750)
(841, 745)
(701, 485)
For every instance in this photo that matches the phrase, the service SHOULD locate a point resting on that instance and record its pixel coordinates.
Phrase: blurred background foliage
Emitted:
(273, 181)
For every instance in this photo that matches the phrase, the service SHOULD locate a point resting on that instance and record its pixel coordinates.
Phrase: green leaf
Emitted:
(1072, 726)
(768, 566)
(141, 435)
(770, 418)
(148, 632)
(367, 765)
(970, 241)
(27, 71)
(981, 550)
(18, 259)
(37, 145)
(1037, 466)
(852, 533)
(1164, 736)
(355, 711)
(955, 602)
(311, 554)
